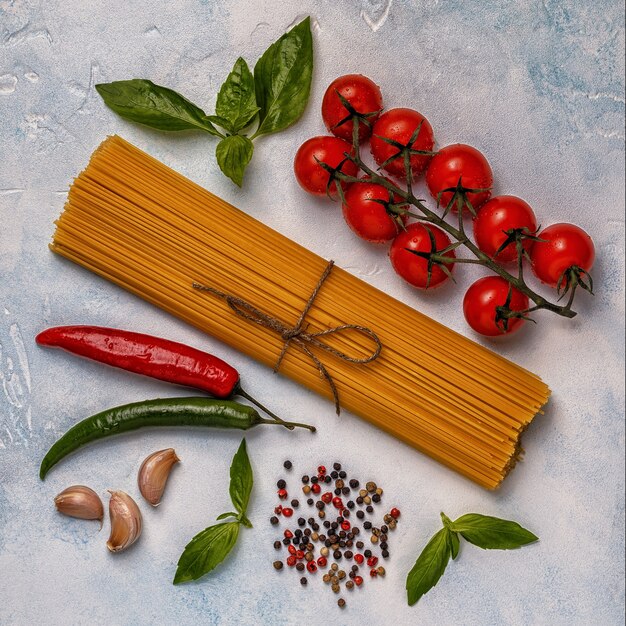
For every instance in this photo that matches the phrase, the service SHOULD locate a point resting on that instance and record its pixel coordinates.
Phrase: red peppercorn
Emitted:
(327, 497)
(282, 494)
(322, 561)
(291, 548)
(345, 525)
(311, 567)
(321, 470)
(316, 488)
(291, 560)
(337, 502)
(373, 573)
(299, 555)
(287, 512)
(278, 510)
(358, 581)
(359, 558)
(372, 561)
(395, 513)
(288, 534)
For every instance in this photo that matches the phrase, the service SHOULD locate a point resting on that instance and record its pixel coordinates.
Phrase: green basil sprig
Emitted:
(211, 546)
(248, 105)
(489, 533)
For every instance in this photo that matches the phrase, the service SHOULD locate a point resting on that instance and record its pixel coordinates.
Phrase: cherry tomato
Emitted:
(481, 300)
(400, 125)
(464, 162)
(565, 246)
(368, 218)
(498, 215)
(311, 176)
(413, 268)
(363, 95)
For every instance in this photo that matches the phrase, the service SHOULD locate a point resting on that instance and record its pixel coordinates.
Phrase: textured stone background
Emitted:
(538, 86)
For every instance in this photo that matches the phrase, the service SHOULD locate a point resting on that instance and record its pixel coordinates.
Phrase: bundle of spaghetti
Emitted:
(143, 226)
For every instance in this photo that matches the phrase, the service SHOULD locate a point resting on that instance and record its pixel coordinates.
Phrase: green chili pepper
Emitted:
(161, 412)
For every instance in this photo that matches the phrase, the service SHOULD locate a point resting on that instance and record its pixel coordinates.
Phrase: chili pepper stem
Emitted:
(289, 425)
(239, 391)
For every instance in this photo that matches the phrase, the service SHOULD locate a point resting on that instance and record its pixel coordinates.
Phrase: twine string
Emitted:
(298, 334)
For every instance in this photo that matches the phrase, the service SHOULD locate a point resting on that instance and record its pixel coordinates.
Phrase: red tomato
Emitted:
(363, 95)
(368, 218)
(498, 215)
(481, 300)
(464, 162)
(400, 125)
(311, 176)
(566, 246)
(413, 268)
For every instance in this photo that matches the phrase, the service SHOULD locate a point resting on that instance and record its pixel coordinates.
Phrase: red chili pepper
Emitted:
(151, 356)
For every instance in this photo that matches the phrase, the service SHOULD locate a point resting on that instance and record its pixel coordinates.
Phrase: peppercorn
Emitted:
(341, 603)
(286, 541)
(395, 513)
(367, 554)
(334, 475)
(306, 490)
(341, 574)
(354, 483)
(367, 525)
(287, 512)
(321, 514)
(385, 554)
(381, 570)
(324, 551)
(287, 465)
(281, 484)
(278, 564)
(384, 528)
(310, 547)
(314, 536)
(371, 562)
(311, 567)
(339, 484)
(273, 520)
(307, 532)
(327, 479)
(373, 573)
(338, 503)
(295, 503)
(337, 492)
(322, 538)
(316, 488)
(393, 524)
(326, 578)
(356, 530)
(367, 500)
(348, 554)
(320, 505)
(336, 466)
(321, 469)
(349, 543)
(288, 534)
(321, 561)
(358, 581)
(345, 491)
(375, 498)
(360, 514)
(300, 566)
(374, 539)
(359, 500)
(326, 524)
(387, 518)
(303, 580)
(363, 493)
(350, 504)
(299, 555)
(379, 491)
(345, 525)
(301, 521)
(359, 545)
(314, 479)
(370, 486)
(337, 554)
(297, 532)
(350, 584)
(335, 587)
(334, 567)
(376, 531)
(369, 509)
(342, 474)
(384, 545)
(359, 558)
(305, 479)
(278, 545)
(310, 501)
(342, 534)
(308, 556)
(383, 537)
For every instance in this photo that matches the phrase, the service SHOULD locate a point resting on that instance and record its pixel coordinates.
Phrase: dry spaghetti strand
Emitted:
(143, 226)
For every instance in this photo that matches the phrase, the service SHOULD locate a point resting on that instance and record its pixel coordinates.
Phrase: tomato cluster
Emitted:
(458, 177)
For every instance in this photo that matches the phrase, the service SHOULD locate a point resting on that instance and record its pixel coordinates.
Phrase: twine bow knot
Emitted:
(298, 334)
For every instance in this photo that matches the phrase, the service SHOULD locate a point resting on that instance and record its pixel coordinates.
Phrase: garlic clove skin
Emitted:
(153, 474)
(126, 521)
(81, 502)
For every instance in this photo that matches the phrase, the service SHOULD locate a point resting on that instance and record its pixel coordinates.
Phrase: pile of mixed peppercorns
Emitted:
(328, 538)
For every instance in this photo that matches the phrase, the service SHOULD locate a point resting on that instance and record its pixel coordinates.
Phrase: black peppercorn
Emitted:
(348, 554)
(307, 532)
(278, 545)
(376, 498)
(281, 484)
(359, 500)
(327, 479)
(305, 479)
(301, 521)
(322, 538)
(350, 504)
(367, 554)
(273, 520)
(319, 505)
(384, 545)
(334, 525)
(310, 501)
(326, 524)
(342, 474)
(369, 508)
(345, 491)
(314, 479)
(286, 541)
(342, 534)
(356, 530)
(297, 532)
(315, 526)
(303, 580)
(385, 553)
(337, 466)
(311, 520)
(359, 545)
(341, 603)
(367, 525)
(360, 514)
(337, 555)
(337, 492)
(278, 565)
(345, 513)
(295, 504)
(334, 475)
(384, 528)
(287, 465)
(354, 483)
(300, 567)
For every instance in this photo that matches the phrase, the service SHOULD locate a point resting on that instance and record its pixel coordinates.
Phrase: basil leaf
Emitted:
(236, 100)
(233, 155)
(241, 479)
(225, 515)
(492, 533)
(142, 101)
(282, 78)
(429, 567)
(206, 551)
(455, 544)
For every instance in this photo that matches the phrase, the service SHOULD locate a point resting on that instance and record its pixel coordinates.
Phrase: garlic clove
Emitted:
(126, 521)
(81, 502)
(153, 474)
